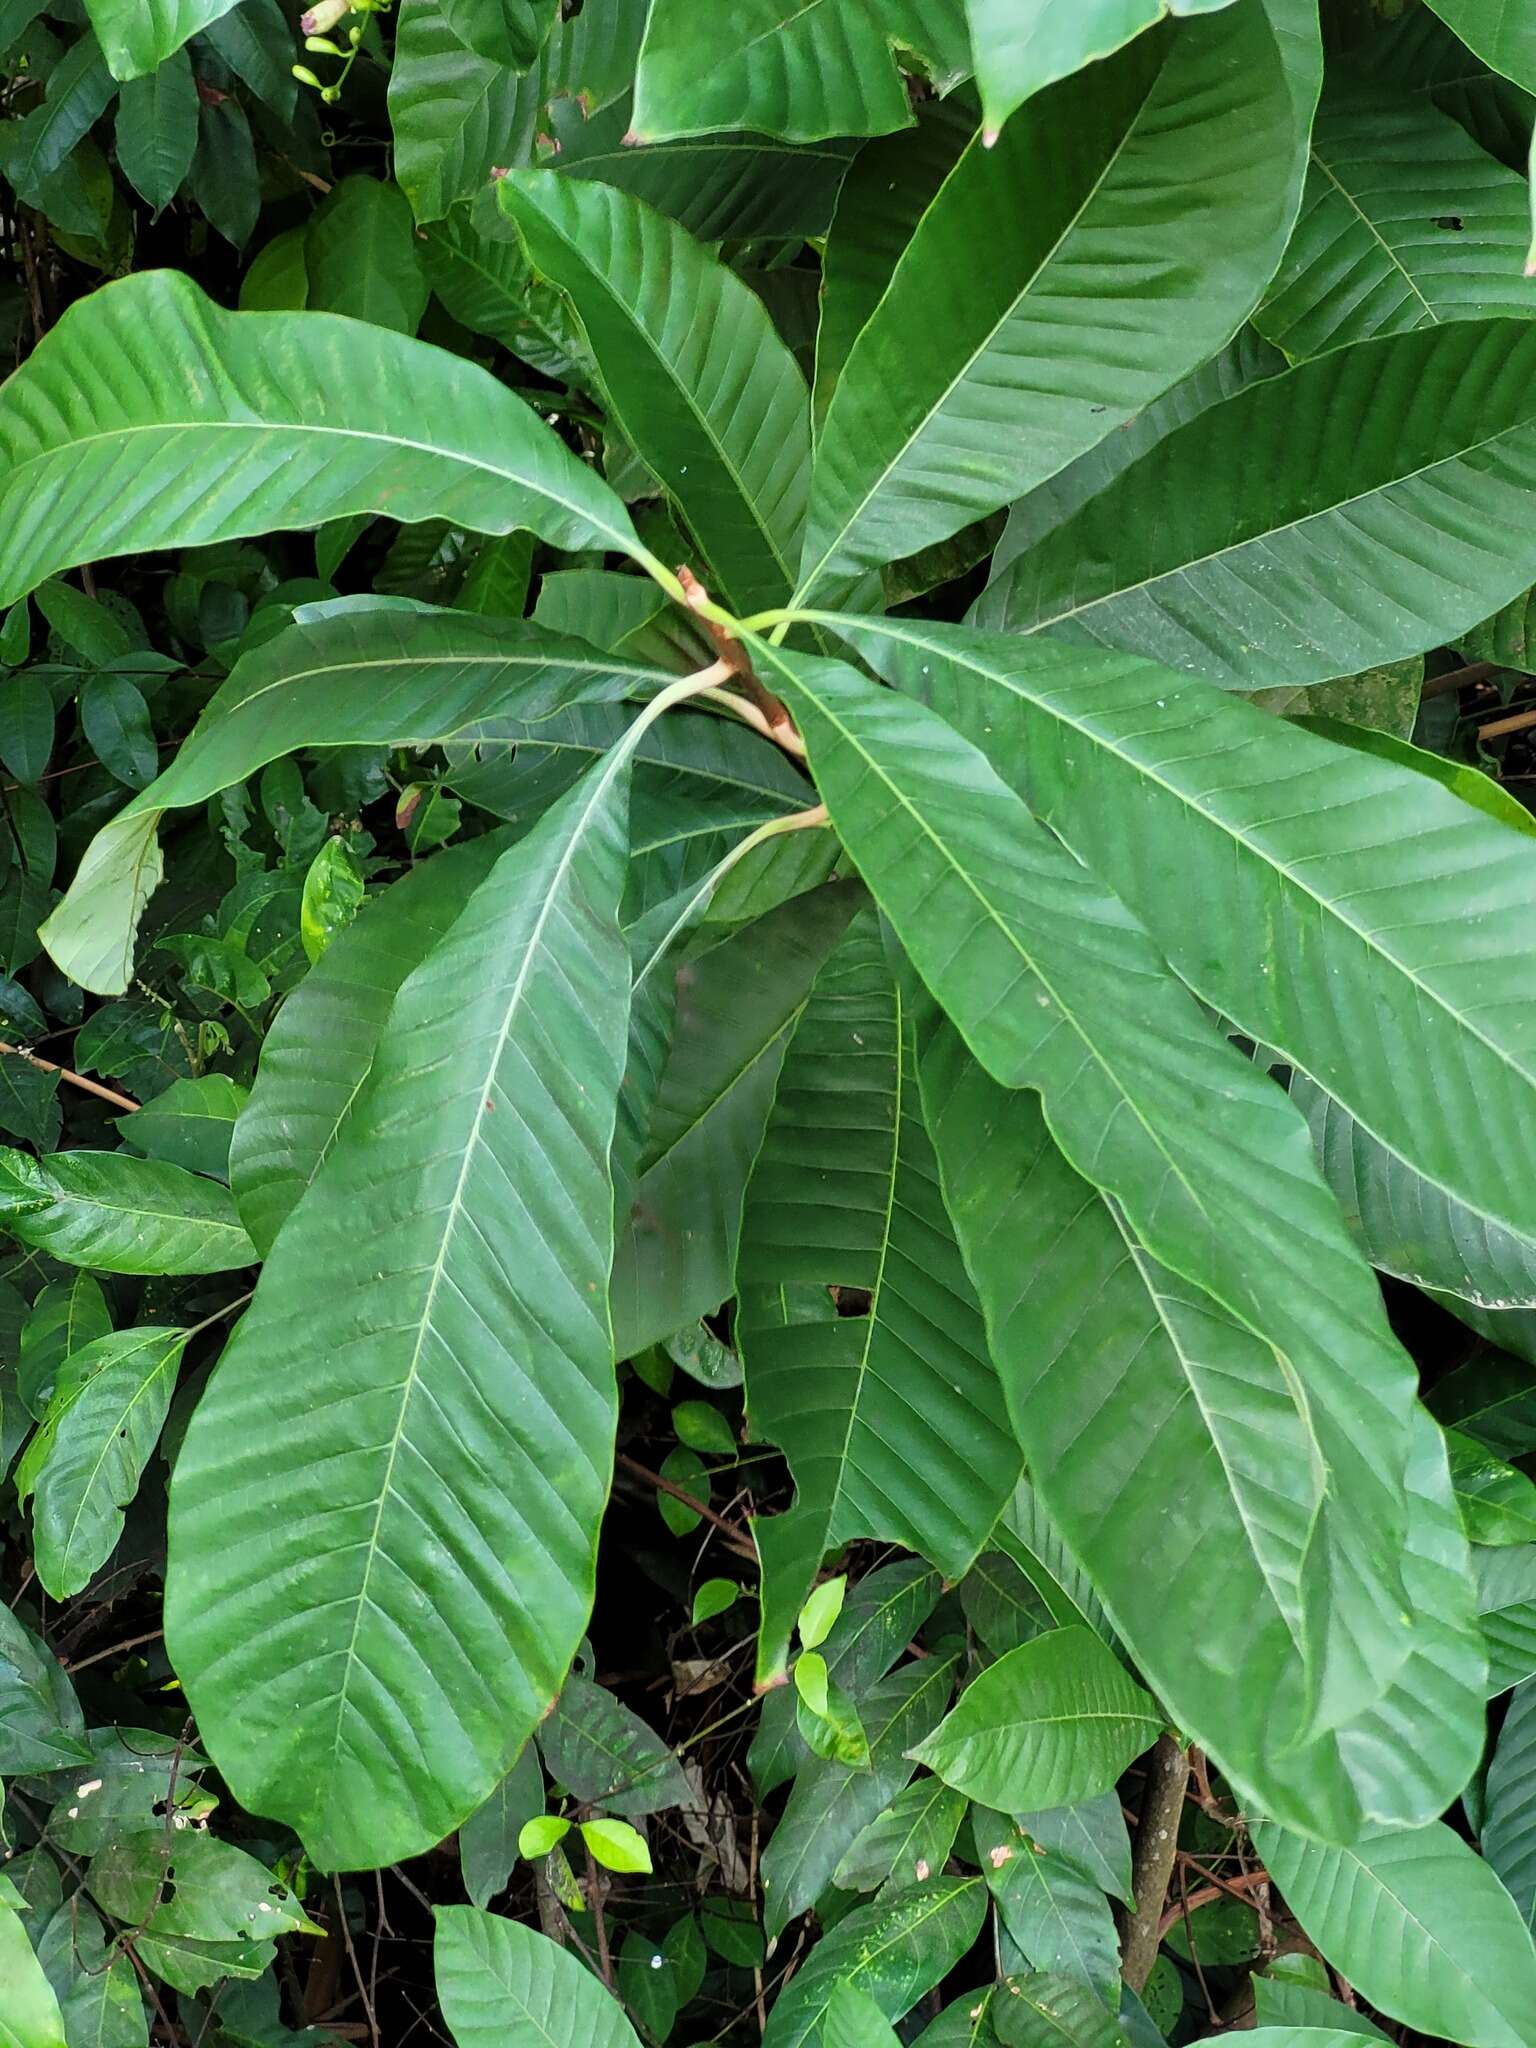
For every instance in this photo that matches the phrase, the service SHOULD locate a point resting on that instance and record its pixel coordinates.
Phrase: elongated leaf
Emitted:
(84, 1465)
(1404, 223)
(696, 375)
(503, 1986)
(488, 1839)
(1092, 1837)
(1506, 1599)
(361, 256)
(934, 424)
(121, 1214)
(993, 912)
(343, 678)
(78, 91)
(1048, 2010)
(1024, 45)
(1400, 901)
(1053, 1912)
(486, 281)
(906, 1843)
(157, 130)
(1329, 540)
(1504, 36)
(1051, 1723)
(855, 2021)
(892, 1421)
(138, 35)
(824, 68)
(833, 1802)
(31, 2016)
(41, 1725)
(147, 383)
(737, 1006)
(606, 1755)
(1418, 1924)
(446, 1461)
(1131, 1391)
(1509, 1795)
(1497, 1503)
(894, 1950)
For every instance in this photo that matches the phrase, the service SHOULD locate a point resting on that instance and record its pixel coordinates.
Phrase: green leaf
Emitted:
(696, 376)
(936, 423)
(78, 92)
(536, 1837)
(714, 1597)
(855, 2021)
(701, 1426)
(322, 1043)
(992, 911)
(256, 40)
(84, 1465)
(1404, 223)
(906, 1843)
(27, 741)
(138, 35)
(120, 1214)
(1504, 37)
(490, 1841)
(507, 31)
(65, 1317)
(893, 1420)
(384, 1702)
(648, 1984)
(1049, 2011)
(1307, 566)
(333, 895)
(361, 256)
(343, 677)
(115, 720)
(157, 130)
(1418, 1924)
(29, 1105)
(825, 68)
(1497, 1503)
(31, 2018)
(1281, 2006)
(485, 280)
(1024, 45)
(1506, 1600)
(503, 1986)
(41, 1725)
(833, 1802)
(895, 1950)
(605, 1755)
(819, 1614)
(1051, 1723)
(118, 1792)
(1509, 1823)
(191, 1885)
(190, 1124)
(616, 1845)
(1092, 1836)
(1053, 1913)
(277, 413)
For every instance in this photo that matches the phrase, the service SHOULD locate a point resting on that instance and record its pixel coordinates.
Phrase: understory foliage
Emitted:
(767, 1023)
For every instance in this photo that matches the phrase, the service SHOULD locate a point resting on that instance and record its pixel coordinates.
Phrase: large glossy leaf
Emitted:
(895, 1950)
(120, 1214)
(1022, 46)
(1053, 1722)
(138, 35)
(936, 423)
(1418, 1924)
(696, 375)
(373, 1663)
(893, 1420)
(833, 1802)
(1509, 1802)
(737, 1006)
(1146, 1099)
(503, 1986)
(1404, 223)
(316, 1056)
(1360, 508)
(344, 678)
(151, 418)
(1504, 36)
(824, 68)
(83, 1466)
(1372, 886)
(1155, 1424)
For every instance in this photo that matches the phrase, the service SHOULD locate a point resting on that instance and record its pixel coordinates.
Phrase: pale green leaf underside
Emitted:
(151, 418)
(369, 1664)
(138, 35)
(1022, 46)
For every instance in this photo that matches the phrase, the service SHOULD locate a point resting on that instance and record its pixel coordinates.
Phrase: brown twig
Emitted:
(117, 1650)
(68, 1074)
(357, 1971)
(734, 655)
(1518, 721)
(1459, 678)
(740, 1544)
(595, 1892)
(1157, 1841)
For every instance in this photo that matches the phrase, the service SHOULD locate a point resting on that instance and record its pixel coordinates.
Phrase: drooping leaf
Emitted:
(83, 1466)
(488, 1840)
(892, 1421)
(121, 1214)
(447, 1271)
(336, 678)
(1047, 2010)
(1497, 1503)
(1508, 1834)
(894, 1949)
(695, 374)
(138, 35)
(275, 414)
(1404, 223)
(936, 423)
(157, 129)
(992, 911)
(78, 91)
(65, 1317)
(1418, 1924)
(503, 1986)
(1301, 528)
(826, 68)
(1024, 45)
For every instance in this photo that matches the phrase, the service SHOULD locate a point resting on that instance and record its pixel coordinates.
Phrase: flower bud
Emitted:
(320, 19)
(305, 76)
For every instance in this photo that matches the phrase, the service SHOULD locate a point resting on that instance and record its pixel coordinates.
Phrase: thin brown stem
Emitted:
(595, 1894)
(68, 1074)
(740, 1544)
(1518, 721)
(117, 1650)
(357, 1970)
